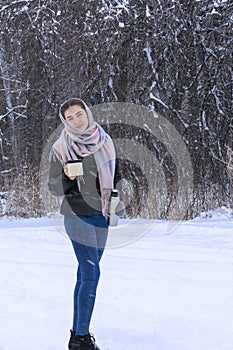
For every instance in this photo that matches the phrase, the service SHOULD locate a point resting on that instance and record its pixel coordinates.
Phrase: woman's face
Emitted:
(76, 117)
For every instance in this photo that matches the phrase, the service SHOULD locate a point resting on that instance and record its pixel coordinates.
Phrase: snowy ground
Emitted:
(165, 292)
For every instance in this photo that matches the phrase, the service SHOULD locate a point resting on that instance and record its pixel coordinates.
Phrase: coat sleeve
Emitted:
(59, 184)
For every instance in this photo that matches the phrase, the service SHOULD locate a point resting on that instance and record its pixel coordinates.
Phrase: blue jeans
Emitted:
(88, 236)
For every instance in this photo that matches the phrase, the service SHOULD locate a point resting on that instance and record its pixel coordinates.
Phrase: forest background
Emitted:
(175, 57)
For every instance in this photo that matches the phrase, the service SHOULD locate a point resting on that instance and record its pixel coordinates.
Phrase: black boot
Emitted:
(72, 336)
(85, 342)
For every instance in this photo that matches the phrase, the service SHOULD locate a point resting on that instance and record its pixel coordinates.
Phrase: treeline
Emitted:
(174, 57)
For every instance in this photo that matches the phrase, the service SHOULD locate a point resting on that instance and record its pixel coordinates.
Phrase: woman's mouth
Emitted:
(79, 126)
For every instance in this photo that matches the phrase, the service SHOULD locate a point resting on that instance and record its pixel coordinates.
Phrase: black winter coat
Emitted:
(79, 200)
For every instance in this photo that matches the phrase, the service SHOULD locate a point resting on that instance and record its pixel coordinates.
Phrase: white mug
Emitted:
(75, 167)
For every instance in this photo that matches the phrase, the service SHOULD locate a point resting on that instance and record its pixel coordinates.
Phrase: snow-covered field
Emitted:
(165, 292)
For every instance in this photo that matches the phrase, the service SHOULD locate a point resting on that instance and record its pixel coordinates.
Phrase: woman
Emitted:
(84, 205)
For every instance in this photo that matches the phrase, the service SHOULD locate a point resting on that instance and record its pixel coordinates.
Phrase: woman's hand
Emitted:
(67, 174)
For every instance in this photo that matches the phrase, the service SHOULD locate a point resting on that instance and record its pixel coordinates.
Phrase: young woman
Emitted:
(84, 206)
